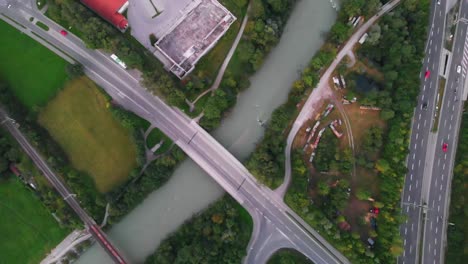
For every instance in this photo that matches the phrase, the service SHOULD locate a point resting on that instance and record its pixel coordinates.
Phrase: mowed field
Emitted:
(78, 118)
(27, 230)
(34, 72)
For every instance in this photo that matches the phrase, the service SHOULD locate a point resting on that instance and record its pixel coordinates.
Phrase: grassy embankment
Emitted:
(79, 120)
(27, 229)
(34, 72)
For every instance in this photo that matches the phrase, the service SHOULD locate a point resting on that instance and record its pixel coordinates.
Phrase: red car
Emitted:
(63, 32)
(427, 74)
(444, 147)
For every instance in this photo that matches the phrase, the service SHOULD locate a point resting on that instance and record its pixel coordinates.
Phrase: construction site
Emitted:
(179, 32)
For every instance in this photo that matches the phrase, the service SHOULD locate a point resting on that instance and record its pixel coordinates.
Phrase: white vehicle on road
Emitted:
(458, 68)
(119, 61)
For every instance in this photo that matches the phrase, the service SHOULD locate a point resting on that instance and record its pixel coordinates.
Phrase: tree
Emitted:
(74, 70)
(339, 32)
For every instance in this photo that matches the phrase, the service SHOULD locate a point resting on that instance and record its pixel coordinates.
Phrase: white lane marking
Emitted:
(422, 141)
(430, 247)
(445, 122)
(440, 197)
(438, 162)
(415, 146)
(437, 229)
(412, 227)
(448, 136)
(407, 209)
(429, 54)
(453, 107)
(425, 121)
(436, 241)
(412, 166)
(432, 206)
(411, 176)
(410, 249)
(422, 97)
(435, 252)
(417, 135)
(405, 242)
(410, 188)
(436, 182)
(450, 127)
(414, 155)
(431, 225)
(406, 230)
(451, 117)
(424, 88)
(409, 196)
(445, 156)
(419, 163)
(418, 123)
(419, 116)
(442, 176)
(443, 166)
(417, 183)
(440, 187)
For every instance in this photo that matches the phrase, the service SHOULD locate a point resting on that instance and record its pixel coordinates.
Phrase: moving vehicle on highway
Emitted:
(458, 68)
(444, 147)
(424, 106)
(63, 32)
(119, 61)
(427, 74)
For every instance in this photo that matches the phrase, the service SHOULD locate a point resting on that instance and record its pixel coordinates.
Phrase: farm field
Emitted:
(78, 118)
(34, 72)
(27, 229)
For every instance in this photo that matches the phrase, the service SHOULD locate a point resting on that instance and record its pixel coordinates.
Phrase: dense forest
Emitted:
(217, 235)
(457, 248)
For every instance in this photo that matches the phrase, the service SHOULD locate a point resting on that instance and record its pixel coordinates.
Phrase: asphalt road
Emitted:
(261, 202)
(56, 182)
(423, 176)
(438, 195)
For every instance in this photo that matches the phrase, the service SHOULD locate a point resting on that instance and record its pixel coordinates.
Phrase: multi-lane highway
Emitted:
(56, 182)
(421, 126)
(427, 183)
(437, 196)
(261, 203)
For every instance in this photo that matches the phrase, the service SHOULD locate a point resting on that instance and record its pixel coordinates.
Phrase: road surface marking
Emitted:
(440, 197)
(409, 197)
(412, 166)
(435, 252)
(407, 209)
(451, 117)
(436, 182)
(424, 88)
(423, 95)
(417, 183)
(437, 230)
(404, 253)
(410, 249)
(443, 166)
(438, 30)
(425, 121)
(412, 227)
(431, 227)
(414, 155)
(430, 41)
(448, 136)
(445, 121)
(418, 123)
(453, 107)
(441, 187)
(429, 57)
(406, 230)
(422, 140)
(410, 188)
(438, 162)
(405, 242)
(445, 156)
(415, 146)
(450, 127)
(419, 117)
(411, 176)
(442, 176)
(432, 206)
(417, 135)
(419, 163)
(430, 248)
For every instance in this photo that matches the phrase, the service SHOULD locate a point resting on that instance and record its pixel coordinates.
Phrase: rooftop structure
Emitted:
(192, 36)
(110, 10)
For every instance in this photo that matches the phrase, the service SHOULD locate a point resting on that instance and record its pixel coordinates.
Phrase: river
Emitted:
(190, 190)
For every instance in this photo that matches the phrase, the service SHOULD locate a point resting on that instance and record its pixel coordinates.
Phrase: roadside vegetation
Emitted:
(95, 142)
(457, 230)
(217, 235)
(287, 256)
(28, 229)
(23, 67)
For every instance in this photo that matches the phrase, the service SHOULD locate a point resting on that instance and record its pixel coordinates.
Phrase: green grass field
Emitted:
(95, 142)
(28, 231)
(34, 72)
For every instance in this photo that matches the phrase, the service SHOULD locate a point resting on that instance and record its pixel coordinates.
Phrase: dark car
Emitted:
(424, 106)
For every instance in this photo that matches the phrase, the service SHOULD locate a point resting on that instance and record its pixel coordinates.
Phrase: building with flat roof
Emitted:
(110, 10)
(184, 30)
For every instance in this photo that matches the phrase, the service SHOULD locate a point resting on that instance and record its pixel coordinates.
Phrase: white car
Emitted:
(458, 68)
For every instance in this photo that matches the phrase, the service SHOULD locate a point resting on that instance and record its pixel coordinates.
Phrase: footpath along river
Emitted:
(190, 190)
